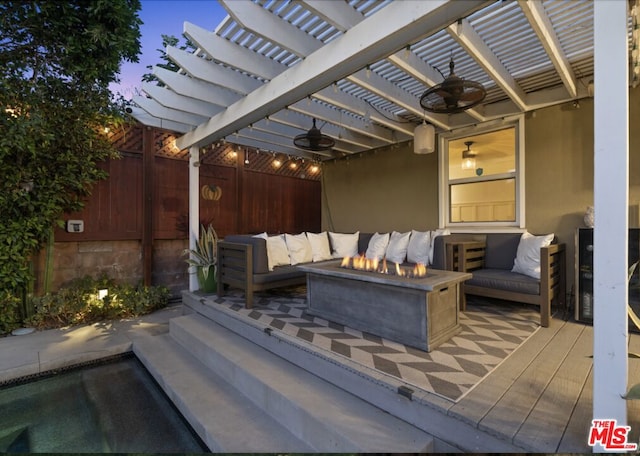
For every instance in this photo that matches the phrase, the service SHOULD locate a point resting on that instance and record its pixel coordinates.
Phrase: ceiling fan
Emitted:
(452, 95)
(314, 140)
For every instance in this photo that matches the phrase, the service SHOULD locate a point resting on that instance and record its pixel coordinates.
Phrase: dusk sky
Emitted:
(164, 17)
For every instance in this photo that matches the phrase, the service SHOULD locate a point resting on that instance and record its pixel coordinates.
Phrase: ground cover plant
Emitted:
(88, 300)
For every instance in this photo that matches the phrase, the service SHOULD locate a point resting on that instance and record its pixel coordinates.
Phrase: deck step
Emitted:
(225, 419)
(322, 415)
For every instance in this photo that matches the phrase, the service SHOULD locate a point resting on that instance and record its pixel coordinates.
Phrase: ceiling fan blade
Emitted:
(472, 95)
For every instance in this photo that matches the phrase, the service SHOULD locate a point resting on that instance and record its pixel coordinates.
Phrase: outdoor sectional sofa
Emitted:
(243, 263)
(491, 261)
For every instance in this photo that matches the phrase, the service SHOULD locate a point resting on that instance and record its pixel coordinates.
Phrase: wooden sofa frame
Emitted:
(469, 256)
(235, 269)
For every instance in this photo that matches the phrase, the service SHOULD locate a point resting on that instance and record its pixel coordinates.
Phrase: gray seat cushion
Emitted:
(280, 273)
(504, 280)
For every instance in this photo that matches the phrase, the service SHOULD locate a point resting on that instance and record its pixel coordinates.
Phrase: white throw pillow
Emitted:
(397, 248)
(320, 249)
(344, 245)
(527, 260)
(435, 234)
(419, 246)
(377, 246)
(277, 252)
(299, 248)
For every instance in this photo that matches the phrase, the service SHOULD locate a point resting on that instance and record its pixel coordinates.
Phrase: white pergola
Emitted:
(359, 68)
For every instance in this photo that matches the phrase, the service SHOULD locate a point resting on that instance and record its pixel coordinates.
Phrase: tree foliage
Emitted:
(166, 62)
(57, 59)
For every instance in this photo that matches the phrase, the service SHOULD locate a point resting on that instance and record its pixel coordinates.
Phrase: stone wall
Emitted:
(119, 260)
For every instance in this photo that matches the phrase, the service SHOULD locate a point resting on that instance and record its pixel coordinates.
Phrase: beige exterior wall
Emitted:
(383, 190)
(393, 189)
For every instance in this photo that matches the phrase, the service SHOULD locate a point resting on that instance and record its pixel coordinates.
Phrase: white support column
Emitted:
(611, 195)
(194, 207)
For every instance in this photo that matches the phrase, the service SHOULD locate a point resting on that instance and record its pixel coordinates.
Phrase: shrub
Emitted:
(83, 302)
(9, 312)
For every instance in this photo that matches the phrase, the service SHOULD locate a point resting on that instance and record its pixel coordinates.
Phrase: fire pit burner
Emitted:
(361, 263)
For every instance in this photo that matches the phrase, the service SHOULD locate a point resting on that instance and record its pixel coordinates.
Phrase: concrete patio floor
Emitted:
(42, 351)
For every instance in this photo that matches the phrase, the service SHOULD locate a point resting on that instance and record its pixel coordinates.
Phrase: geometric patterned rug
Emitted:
(490, 333)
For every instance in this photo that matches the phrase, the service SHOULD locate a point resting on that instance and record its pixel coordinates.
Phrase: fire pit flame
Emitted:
(419, 270)
(361, 263)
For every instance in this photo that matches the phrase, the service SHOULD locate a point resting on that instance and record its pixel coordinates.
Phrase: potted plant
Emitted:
(204, 258)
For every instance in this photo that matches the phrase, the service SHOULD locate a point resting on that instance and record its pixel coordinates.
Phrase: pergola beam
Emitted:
(171, 99)
(157, 110)
(196, 88)
(540, 23)
(469, 39)
(374, 38)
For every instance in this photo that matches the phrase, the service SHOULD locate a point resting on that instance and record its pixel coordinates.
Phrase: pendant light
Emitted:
(424, 138)
(468, 157)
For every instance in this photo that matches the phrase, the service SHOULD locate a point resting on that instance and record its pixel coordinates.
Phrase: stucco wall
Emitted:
(393, 189)
(383, 190)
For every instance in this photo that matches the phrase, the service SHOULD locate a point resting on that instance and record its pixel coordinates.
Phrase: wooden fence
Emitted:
(140, 212)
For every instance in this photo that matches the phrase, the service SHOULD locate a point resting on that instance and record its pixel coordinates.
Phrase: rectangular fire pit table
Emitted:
(420, 312)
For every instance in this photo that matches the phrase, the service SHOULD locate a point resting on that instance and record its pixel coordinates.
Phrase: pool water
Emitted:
(105, 408)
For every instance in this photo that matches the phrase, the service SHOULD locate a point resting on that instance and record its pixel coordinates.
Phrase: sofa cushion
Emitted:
(528, 256)
(377, 246)
(434, 235)
(277, 252)
(504, 280)
(343, 244)
(363, 242)
(280, 273)
(299, 248)
(397, 247)
(320, 249)
(418, 248)
(501, 249)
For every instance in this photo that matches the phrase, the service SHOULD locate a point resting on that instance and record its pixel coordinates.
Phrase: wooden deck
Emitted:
(537, 400)
(540, 398)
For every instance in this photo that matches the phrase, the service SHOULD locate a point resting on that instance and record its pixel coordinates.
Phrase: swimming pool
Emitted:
(105, 408)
